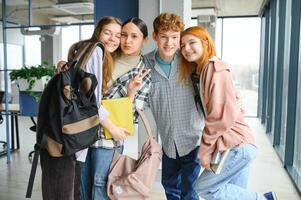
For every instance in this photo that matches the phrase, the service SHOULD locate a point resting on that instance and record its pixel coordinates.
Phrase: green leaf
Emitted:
(29, 73)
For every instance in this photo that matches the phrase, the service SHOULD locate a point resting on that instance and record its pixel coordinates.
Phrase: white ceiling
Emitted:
(45, 10)
(226, 8)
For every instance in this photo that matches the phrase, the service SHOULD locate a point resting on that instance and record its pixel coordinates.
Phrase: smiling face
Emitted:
(132, 39)
(191, 48)
(168, 42)
(110, 36)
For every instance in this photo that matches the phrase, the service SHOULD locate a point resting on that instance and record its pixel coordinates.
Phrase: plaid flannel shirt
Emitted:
(119, 89)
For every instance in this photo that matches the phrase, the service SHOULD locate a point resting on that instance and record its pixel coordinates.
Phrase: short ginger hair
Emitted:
(168, 22)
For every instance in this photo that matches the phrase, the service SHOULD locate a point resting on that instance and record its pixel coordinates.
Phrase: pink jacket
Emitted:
(225, 126)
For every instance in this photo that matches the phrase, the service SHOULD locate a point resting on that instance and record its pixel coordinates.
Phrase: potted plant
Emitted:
(31, 81)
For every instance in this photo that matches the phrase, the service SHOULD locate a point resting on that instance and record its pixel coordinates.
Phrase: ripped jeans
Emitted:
(94, 173)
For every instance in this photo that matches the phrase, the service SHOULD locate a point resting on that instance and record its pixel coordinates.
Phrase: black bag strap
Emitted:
(81, 52)
(32, 173)
(88, 52)
(77, 50)
(195, 79)
(37, 150)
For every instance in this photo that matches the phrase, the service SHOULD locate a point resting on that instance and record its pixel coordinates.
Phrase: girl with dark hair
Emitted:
(127, 78)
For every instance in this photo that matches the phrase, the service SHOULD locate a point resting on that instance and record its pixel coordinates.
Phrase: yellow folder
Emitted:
(120, 113)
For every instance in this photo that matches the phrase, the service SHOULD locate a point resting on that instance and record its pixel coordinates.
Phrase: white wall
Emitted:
(180, 7)
(148, 10)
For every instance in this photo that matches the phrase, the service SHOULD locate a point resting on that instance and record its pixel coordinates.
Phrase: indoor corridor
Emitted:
(267, 172)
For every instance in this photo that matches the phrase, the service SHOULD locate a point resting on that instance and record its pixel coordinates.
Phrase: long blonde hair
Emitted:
(108, 61)
(186, 68)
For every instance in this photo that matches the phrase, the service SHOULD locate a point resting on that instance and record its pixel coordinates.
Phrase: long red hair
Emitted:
(186, 68)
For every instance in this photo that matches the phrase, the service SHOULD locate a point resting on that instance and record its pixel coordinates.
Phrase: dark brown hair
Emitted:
(141, 26)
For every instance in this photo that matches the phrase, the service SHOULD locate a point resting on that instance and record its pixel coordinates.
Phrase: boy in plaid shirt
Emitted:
(172, 103)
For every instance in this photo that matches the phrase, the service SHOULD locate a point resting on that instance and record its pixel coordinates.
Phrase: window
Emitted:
(86, 31)
(218, 37)
(14, 61)
(70, 35)
(14, 56)
(240, 47)
(297, 152)
(32, 45)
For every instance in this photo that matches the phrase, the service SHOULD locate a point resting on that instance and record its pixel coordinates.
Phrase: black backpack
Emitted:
(68, 113)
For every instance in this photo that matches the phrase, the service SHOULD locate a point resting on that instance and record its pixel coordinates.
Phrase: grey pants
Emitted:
(58, 177)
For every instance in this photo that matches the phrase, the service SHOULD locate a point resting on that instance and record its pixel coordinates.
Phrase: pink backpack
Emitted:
(131, 179)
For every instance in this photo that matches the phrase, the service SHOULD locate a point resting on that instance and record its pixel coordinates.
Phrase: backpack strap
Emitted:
(195, 79)
(32, 173)
(80, 52)
(37, 150)
(145, 123)
(148, 129)
(76, 50)
(88, 51)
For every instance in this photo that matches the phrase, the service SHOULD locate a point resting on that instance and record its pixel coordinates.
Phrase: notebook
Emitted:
(120, 113)
(218, 161)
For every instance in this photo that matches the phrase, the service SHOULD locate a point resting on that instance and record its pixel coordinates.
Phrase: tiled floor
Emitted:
(267, 173)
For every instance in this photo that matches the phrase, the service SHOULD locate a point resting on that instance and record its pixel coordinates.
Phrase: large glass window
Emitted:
(86, 31)
(287, 47)
(194, 22)
(297, 152)
(72, 34)
(14, 61)
(32, 47)
(14, 56)
(297, 137)
(240, 47)
(218, 37)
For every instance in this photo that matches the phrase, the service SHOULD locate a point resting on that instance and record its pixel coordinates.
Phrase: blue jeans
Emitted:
(94, 174)
(179, 176)
(231, 183)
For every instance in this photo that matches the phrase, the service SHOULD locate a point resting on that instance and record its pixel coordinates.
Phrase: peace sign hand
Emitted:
(136, 82)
